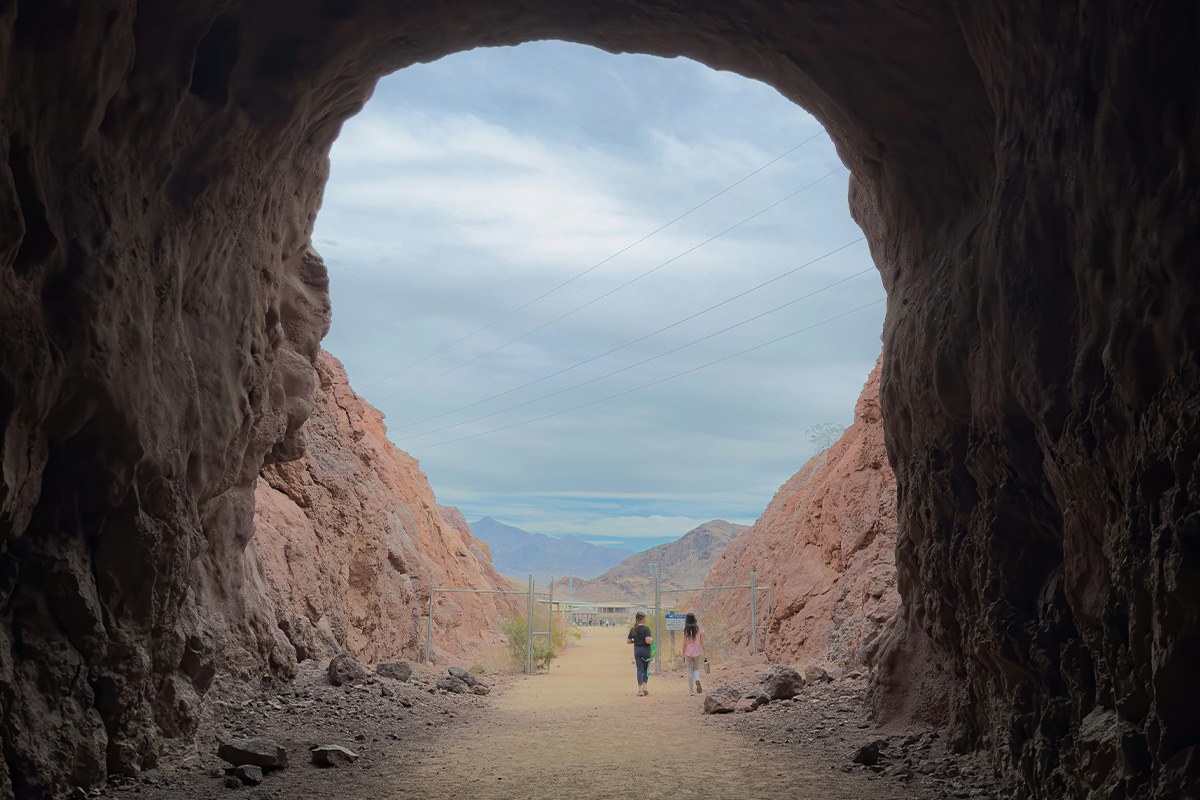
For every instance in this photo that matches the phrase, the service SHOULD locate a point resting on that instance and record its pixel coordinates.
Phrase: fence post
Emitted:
(657, 604)
(753, 617)
(429, 625)
(770, 585)
(550, 620)
(529, 632)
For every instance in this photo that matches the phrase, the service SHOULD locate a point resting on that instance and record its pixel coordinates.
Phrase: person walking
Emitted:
(693, 652)
(641, 639)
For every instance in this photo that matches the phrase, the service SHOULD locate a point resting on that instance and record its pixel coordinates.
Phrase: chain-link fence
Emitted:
(720, 643)
(533, 636)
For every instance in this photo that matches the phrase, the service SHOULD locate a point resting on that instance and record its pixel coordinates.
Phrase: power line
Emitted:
(624, 249)
(660, 380)
(645, 361)
(616, 289)
(632, 342)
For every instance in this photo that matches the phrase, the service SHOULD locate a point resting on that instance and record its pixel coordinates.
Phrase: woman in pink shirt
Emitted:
(693, 652)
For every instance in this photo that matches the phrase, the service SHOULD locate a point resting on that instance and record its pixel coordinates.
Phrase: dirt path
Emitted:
(580, 733)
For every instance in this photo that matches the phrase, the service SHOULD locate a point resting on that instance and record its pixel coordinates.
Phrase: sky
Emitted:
(473, 185)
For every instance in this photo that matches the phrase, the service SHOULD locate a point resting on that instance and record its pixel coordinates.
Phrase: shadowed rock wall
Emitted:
(1025, 173)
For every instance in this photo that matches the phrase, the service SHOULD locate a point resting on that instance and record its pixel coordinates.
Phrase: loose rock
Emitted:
(248, 774)
(722, 700)
(257, 751)
(332, 755)
(782, 683)
(398, 670)
(453, 684)
(344, 669)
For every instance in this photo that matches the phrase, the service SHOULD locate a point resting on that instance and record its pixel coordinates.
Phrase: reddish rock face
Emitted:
(1025, 173)
(348, 540)
(827, 543)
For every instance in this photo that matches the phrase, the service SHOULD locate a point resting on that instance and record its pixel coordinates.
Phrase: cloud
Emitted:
(472, 185)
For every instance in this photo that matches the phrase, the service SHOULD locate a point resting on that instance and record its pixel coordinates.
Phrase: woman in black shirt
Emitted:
(640, 638)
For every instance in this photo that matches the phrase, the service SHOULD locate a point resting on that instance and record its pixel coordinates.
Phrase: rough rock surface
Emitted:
(827, 543)
(1026, 177)
(349, 539)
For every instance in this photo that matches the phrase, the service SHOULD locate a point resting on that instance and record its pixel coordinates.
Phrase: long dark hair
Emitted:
(691, 628)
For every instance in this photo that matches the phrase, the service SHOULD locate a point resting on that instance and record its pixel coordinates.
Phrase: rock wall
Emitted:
(827, 543)
(1025, 173)
(348, 540)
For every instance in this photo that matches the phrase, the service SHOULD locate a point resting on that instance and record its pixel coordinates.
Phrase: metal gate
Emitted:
(532, 595)
(754, 588)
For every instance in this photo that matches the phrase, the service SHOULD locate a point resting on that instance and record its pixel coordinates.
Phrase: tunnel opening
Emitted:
(1031, 227)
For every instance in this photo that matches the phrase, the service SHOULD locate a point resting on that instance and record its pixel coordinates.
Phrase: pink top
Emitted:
(694, 648)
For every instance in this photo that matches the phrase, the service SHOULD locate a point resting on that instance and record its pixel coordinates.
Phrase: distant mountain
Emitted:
(519, 553)
(682, 564)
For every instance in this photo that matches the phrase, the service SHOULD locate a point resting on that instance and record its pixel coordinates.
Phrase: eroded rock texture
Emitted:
(827, 544)
(349, 539)
(1025, 173)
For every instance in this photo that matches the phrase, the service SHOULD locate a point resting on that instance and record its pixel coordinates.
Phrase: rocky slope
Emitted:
(827, 543)
(1025, 173)
(682, 563)
(348, 540)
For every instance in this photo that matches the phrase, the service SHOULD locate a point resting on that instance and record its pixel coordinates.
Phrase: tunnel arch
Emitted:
(1025, 176)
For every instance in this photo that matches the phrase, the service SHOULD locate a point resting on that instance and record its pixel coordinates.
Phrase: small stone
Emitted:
(385, 691)
(481, 689)
(232, 782)
(332, 755)
(248, 774)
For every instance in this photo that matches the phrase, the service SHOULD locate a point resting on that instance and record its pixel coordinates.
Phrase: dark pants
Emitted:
(641, 657)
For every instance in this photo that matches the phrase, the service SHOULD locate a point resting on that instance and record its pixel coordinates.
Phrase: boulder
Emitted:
(254, 750)
(722, 700)
(344, 668)
(868, 755)
(248, 774)
(782, 683)
(453, 684)
(463, 675)
(815, 674)
(397, 670)
(332, 755)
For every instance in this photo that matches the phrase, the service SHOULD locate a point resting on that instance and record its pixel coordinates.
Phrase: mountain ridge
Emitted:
(683, 563)
(518, 552)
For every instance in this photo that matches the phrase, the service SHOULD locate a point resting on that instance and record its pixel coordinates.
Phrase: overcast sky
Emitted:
(472, 185)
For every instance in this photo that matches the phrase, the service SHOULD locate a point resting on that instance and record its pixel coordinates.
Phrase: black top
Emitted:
(639, 633)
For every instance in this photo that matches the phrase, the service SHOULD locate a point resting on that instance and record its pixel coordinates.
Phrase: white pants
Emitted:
(691, 667)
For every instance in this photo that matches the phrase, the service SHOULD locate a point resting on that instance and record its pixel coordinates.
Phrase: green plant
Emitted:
(515, 628)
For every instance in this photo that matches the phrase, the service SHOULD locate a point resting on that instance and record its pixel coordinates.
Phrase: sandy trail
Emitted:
(580, 733)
